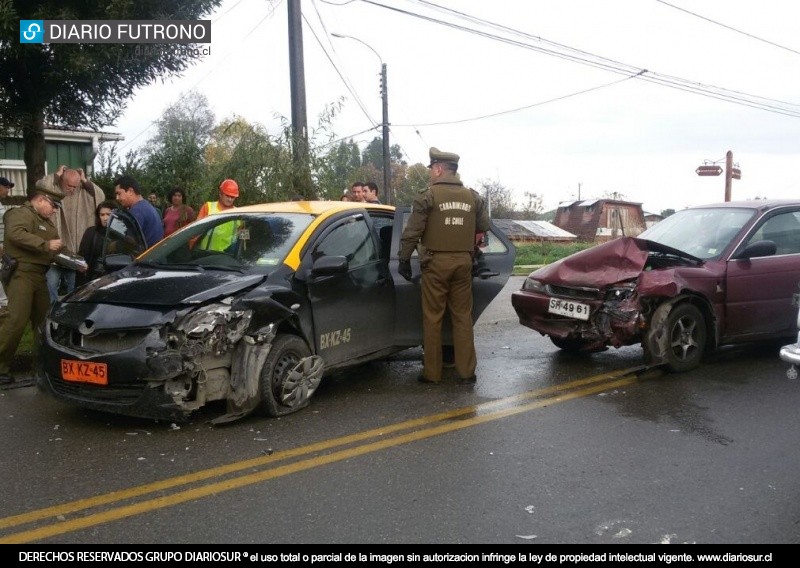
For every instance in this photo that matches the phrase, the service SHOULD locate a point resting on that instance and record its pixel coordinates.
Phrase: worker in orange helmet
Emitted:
(228, 192)
(224, 235)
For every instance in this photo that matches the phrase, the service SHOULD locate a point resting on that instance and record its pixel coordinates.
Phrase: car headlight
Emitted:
(533, 285)
(208, 319)
(621, 292)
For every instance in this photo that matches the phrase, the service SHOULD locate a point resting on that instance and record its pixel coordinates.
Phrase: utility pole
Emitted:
(731, 172)
(387, 170)
(302, 176)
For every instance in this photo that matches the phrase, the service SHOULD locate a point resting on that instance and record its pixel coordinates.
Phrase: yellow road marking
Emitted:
(480, 414)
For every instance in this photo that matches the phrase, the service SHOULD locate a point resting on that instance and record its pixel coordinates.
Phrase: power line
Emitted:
(561, 98)
(729, 27)
(586, 58)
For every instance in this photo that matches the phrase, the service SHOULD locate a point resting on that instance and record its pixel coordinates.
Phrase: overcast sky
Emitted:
(540, 95)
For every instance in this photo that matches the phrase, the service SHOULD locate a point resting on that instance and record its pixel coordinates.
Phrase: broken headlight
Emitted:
(620, 292)
(533, 285)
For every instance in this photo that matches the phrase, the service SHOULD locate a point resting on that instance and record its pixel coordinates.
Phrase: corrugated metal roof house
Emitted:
(600, 219)
(522, 231)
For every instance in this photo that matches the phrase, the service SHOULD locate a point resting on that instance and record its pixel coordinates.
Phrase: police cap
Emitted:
(44, 187)
(438, 156)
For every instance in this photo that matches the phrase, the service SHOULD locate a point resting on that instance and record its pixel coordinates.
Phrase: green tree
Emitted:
(335, 168)
(109, 166)
(410, 181)
(260, 164)
(174, 156)
(372, 165)
(79, 85)
(667, 212)
(500, 201)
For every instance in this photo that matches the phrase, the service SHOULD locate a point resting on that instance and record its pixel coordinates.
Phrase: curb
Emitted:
(524, 269)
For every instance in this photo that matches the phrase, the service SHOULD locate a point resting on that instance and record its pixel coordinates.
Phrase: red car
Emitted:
(706, 276)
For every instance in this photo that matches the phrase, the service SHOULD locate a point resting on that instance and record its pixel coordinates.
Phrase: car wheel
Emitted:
(286, 388)
(686, 332)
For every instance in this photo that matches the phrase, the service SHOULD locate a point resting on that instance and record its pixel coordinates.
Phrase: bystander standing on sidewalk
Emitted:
(5, 188)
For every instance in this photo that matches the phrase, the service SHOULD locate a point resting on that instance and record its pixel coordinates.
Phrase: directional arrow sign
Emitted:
(708, 170)
(736, 173)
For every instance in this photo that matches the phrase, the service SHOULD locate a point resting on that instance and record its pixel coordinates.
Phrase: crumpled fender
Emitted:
(662, 283)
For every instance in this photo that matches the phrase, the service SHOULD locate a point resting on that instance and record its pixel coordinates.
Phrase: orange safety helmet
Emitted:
(230, 188)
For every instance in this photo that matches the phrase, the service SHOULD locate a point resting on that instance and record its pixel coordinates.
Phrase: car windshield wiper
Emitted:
(170, 265)
(239, 269)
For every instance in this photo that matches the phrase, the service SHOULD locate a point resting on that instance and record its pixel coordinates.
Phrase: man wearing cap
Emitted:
(130, 197)
(223, 235)
(32, 239)
(76, 214)
(444, 220)
(5, 188)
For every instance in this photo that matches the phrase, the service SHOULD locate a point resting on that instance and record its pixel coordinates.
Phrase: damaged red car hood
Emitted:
(614, 261)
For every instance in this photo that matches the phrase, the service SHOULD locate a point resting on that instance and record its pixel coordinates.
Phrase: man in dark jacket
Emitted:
(371, 192)
(444, 220)
(32, 239)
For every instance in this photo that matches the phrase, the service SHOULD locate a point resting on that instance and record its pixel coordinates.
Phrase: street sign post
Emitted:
(708, 170)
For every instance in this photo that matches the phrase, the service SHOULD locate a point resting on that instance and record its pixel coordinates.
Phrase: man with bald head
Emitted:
(81, 198)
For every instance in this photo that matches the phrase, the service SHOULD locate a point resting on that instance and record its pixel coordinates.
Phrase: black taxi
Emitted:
(254, 307)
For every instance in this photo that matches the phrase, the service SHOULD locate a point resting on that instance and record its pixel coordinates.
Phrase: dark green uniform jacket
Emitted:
(27, 234)
(445, 217)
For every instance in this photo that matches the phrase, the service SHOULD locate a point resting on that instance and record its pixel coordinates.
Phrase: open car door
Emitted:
(490, 273)
(123, 242)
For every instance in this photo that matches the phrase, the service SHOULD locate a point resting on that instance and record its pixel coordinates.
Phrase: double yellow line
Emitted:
(117, 504)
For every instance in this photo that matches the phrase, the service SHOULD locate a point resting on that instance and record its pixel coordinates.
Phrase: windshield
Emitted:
(704, 233)
(231, 241)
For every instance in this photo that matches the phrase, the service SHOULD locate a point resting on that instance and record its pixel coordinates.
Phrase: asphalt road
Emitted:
(544, 449)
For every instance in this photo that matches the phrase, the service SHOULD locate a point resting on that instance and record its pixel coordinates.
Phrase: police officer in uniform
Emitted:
(32, 239)
(444, 219)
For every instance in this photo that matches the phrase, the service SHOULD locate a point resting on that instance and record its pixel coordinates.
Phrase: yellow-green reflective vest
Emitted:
(221, 236)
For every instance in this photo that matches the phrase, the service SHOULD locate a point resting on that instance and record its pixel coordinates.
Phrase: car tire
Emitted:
(686, 332)
(283, 390)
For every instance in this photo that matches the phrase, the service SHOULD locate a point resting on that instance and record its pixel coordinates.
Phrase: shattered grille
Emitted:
(570, 292)
(121, 396)
(106, 342)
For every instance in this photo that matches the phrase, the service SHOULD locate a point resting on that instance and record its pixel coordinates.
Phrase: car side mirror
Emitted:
(329, 265)
(758, 248)
(113, 262)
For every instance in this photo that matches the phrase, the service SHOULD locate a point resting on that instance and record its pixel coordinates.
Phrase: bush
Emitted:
(546, 252)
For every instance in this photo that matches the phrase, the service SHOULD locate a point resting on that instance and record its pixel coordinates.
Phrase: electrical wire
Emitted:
(561, 51)
(772, 43)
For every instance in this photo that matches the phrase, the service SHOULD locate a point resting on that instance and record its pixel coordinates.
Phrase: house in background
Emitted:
(652, 218)
(532, 231)
(599, 220)
(76, 149)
